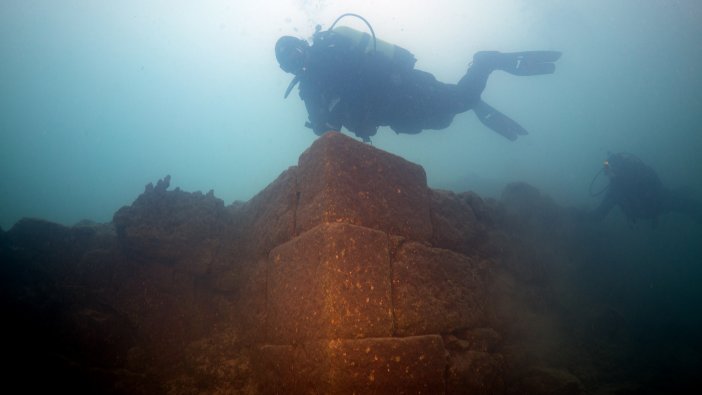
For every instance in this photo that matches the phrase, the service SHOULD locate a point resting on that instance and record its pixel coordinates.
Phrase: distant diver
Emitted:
(638, 191)
(351, 79)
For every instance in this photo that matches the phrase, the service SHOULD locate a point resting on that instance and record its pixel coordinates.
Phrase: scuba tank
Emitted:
(400, 58)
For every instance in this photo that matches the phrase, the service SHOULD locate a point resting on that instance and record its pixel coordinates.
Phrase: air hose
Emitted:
(375, 46)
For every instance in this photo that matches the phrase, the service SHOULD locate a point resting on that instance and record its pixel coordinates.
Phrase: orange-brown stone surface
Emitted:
(330, 282)
(347, 274)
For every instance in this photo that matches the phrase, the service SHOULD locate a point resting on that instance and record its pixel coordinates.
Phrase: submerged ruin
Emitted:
(347, 274)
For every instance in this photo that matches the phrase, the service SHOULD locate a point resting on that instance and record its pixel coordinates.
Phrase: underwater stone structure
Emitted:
(347, 274)
(357, 300)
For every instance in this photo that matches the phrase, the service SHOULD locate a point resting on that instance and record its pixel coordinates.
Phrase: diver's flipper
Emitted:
(498, 122)
(531, 62)
(519, 63)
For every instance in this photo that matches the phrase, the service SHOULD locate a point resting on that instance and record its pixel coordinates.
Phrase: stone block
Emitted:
(476, 373)
(456, 225)
(436, 291)
(269, 217)
(410, 365)
(330, 282)
(343, 180)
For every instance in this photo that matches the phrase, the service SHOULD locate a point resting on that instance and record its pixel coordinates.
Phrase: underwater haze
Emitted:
(97, 99)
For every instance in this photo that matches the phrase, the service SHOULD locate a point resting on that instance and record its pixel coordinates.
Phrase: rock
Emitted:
(456, 225)
(478, 339)
(172, 227)
(210, 360)
(476, 372)
(342, 180)
(436, 291)
(408, 365)
(527, 209)
(347, 274)
(548, 381)
(269, 217)
(330, 282)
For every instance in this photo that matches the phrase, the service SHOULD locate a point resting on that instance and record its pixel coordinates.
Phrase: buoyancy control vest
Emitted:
(400, 58)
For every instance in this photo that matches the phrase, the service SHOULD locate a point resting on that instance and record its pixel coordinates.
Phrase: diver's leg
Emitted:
(474, 81)
(421, 102)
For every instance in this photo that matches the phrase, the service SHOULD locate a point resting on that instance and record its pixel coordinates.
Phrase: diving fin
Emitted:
(498, 122)
(532, 62)
(519, 63)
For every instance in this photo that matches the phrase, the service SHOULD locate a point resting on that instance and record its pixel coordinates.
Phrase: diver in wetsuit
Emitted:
(638, 191)
(346, 81)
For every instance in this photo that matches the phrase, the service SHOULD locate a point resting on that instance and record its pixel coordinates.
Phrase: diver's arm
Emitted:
(320, 113)
(331, 64)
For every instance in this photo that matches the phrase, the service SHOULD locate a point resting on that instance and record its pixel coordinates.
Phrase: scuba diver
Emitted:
(350, 79)
(639, 193)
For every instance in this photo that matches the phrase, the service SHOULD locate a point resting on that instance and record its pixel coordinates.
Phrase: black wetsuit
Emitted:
(342, 85)
(637, 190)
